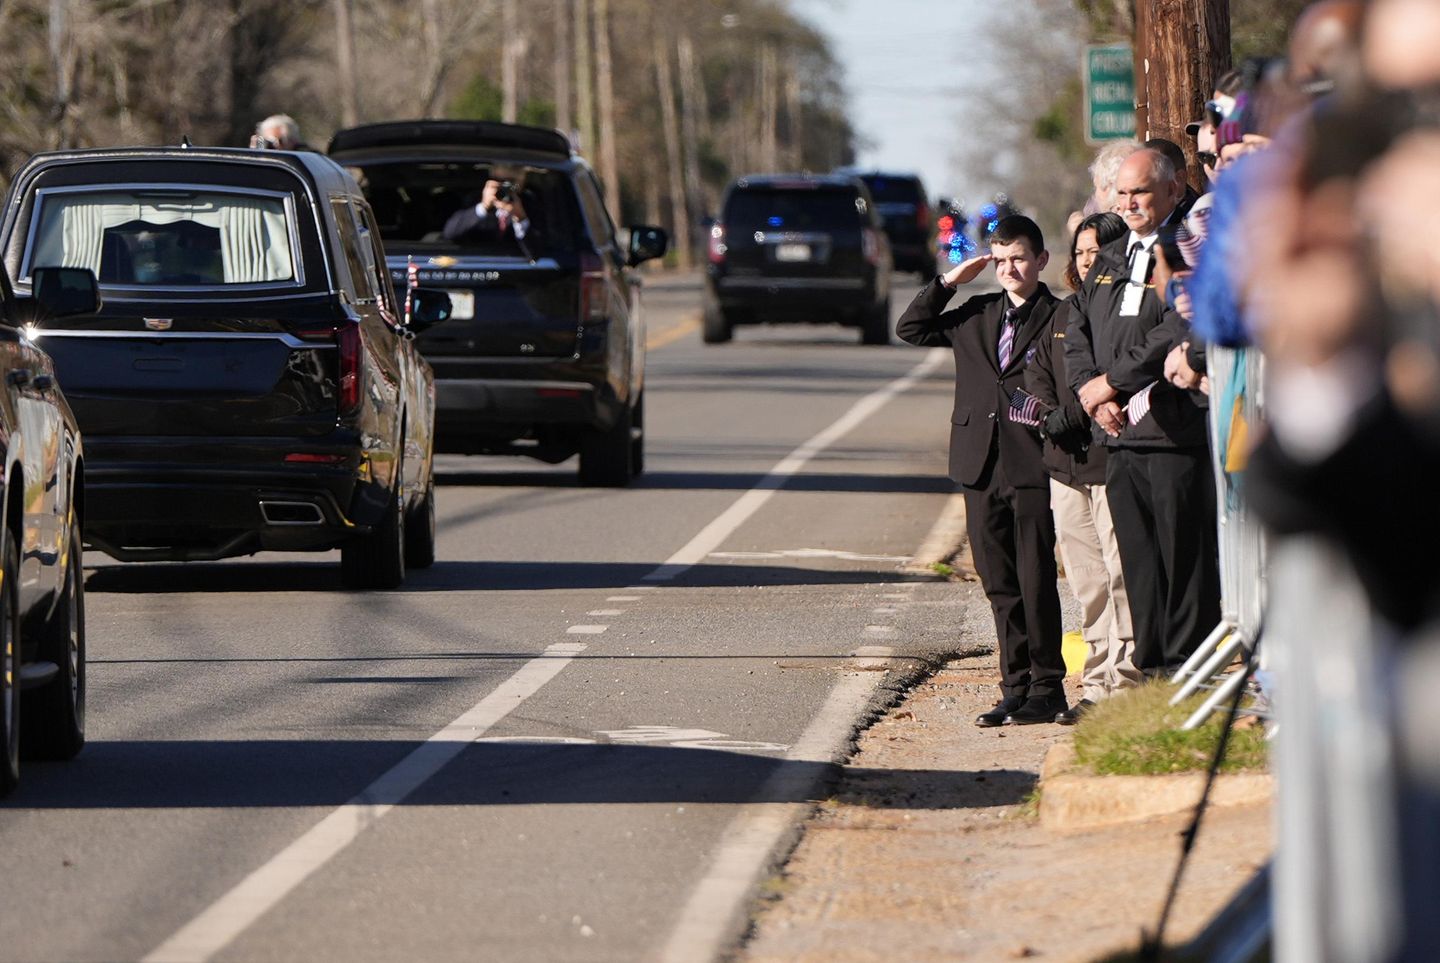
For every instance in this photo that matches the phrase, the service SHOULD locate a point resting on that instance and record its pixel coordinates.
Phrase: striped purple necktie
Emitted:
(1007, 337)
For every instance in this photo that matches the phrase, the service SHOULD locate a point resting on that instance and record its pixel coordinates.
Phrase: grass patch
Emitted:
(1137, 733)
(943, 569)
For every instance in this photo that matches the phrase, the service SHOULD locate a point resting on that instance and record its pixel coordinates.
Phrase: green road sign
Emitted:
(1109, 76)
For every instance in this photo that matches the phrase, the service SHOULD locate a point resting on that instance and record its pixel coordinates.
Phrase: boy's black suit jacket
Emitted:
(980, 420)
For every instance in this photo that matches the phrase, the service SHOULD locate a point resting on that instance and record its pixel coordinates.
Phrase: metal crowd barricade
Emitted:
(1236, 408)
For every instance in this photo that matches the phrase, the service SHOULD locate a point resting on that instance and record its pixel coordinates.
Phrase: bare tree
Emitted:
(605, 97)
(674, 166)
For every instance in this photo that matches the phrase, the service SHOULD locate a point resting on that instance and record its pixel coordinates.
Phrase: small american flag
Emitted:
(412, 276)
(1026, 409)
(1139, 404)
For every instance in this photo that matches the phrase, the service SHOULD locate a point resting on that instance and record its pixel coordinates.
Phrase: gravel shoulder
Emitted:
(930, 847)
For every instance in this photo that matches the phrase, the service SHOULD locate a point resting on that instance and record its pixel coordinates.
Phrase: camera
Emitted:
(261, 142)
(505, 192)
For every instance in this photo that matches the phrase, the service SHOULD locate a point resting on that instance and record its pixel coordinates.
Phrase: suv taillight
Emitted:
(870, 245)
(717, 243)
(592, 288)
(347, 339)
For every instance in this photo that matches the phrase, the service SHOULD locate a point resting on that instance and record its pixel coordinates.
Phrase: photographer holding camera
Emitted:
(500, 215)
(277, 132)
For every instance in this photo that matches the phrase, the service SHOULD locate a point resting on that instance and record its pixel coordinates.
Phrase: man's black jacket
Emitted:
(1071, 456)
(1130, 352)
(980, 419)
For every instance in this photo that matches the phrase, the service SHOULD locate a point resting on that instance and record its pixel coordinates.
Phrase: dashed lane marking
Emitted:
(604, 612)
(226, 918)
(586, 629)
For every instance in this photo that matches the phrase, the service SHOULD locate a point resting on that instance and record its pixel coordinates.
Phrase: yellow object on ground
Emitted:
(1072, 647)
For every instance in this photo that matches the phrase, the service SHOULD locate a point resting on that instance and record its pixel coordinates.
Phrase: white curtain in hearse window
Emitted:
(199, 239)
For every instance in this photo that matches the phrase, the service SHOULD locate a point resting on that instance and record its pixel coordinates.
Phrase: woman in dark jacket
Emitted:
(1077, 492)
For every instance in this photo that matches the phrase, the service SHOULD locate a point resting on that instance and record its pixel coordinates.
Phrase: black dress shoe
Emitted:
(1072, 715)
(996, 716)
(1037, 709)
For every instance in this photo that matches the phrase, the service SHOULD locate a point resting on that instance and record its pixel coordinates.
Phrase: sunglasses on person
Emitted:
(1206, 157)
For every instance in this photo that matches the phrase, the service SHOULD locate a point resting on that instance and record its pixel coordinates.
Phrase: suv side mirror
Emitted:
(60, 292)
(647, 243)
(428, 307)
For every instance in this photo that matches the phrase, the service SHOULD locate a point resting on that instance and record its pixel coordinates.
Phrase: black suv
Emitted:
(545, 352)
(251, 381)
(798, 248)
(901, 201)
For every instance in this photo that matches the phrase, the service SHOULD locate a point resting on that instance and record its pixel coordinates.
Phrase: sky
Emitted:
(901, 61)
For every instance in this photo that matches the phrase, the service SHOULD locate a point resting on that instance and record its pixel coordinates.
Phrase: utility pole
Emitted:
(345, 63)
(1181, 47)
(605, 95)
(679, 210)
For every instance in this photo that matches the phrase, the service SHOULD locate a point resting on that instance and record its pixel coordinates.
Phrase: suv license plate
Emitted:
(462, 305)
(792, 252)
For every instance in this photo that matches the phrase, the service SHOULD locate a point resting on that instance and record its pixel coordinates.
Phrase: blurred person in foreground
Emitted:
(1158, 478)
(1076, 466)
(1346, 284)
(997, 460)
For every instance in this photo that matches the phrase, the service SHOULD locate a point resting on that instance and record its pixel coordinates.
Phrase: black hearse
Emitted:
(251, 382)
(42, 585)
(546, 353)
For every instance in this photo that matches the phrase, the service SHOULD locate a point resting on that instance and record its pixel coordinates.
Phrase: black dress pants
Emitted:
(1162, 503)
(1012, 538)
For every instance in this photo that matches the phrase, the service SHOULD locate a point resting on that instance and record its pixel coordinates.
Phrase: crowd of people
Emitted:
(1086, 420)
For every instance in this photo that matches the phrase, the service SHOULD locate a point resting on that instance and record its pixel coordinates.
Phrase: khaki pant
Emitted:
(1092, 567)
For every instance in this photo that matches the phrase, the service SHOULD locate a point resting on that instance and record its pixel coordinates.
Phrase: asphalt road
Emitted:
(576, 737)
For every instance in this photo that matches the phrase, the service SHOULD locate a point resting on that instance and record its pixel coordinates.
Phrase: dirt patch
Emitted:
(930, 849)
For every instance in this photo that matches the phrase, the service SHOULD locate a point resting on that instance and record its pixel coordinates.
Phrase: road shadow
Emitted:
(474, 576)
(284, 774)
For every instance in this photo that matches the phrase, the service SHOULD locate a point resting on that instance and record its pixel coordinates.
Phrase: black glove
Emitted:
(1064, 419)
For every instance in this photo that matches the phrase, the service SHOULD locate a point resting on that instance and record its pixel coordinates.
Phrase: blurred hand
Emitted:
(1111, 418)
(1177, 368)
(1095, 392)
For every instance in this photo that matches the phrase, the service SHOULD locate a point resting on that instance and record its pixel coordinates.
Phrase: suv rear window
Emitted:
(166, 236)
(412, 201)
(895, 190)
(794, 209)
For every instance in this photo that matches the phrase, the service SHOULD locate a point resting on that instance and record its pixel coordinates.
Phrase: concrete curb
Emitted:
(1071, 799)
(946, 542)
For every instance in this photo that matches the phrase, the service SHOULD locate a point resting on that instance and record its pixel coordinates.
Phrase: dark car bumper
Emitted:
(168, 507)
(819, 299)
(487, 415)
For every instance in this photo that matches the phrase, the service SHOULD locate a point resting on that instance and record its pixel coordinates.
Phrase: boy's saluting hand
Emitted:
(966, 271)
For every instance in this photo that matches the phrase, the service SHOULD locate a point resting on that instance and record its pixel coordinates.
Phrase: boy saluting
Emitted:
(996, 460)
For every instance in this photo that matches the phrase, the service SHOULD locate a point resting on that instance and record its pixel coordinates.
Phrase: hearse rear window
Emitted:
(802, 209)
(167, 237)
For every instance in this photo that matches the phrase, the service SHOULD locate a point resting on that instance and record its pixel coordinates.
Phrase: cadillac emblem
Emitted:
(158, 324)
(443, 261)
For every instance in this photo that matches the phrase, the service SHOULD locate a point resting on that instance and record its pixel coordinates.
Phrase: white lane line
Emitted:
(640, 588)
(606, 612)
(885, 610)
(623, 598)
(586, 629)
(713, 916)
(226, 918)
(880, 629)
(713, 535)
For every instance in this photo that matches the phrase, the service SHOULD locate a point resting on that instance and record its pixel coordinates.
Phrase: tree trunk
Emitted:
(563, 118)
(509, 61)
(679, 209)
(605, 95)
(690, 128)
(769, 101)
(1186, 47)
(62, 64)
(584, 78)
(435, 59)
(345, 63)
